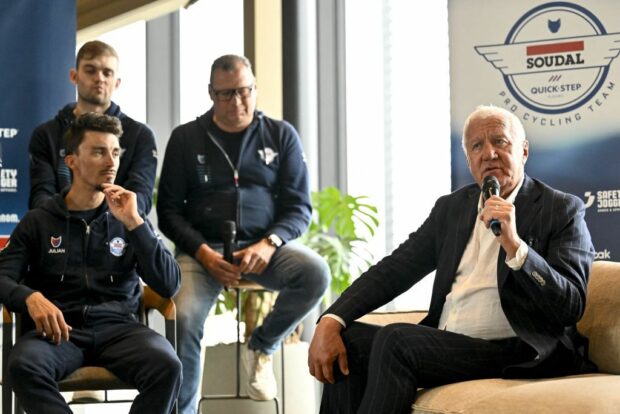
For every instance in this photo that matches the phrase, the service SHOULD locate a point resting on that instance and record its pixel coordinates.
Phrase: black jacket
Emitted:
(542, 301)
(49, 175)
(83, 268)
(197, 188)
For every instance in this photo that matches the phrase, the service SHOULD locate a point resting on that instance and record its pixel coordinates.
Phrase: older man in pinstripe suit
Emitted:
(502, 305)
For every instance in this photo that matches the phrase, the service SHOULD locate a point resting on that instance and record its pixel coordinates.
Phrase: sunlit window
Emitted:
(209, 29)
(398, 117)
(130, 44)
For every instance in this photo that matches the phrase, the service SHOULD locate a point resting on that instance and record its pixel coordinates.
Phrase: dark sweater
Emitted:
(83, 268)
(49, 175)
(198, 191)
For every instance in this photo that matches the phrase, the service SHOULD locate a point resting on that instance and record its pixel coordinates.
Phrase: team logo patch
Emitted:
(56, 241)
(118, 246)
(62, 152)
(200, 158)
(267, 155)
(555, 58)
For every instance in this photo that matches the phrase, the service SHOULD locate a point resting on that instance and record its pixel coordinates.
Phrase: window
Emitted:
(398, 117)
(209, 29)
(130, 44)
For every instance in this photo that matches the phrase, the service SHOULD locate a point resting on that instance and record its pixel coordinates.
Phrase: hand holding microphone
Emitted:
(491, 187)
(229, 236)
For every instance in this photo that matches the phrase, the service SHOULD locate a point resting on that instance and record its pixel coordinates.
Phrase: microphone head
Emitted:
(490, 187)
(229, 228)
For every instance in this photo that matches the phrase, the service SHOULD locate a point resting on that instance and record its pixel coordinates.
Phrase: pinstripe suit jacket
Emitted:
(542, 301)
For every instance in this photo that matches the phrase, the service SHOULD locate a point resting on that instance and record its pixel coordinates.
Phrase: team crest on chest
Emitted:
(267, 155)
(118, 246)
(56, 242)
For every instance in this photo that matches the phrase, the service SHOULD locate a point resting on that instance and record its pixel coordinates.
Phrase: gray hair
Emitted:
(490, 111)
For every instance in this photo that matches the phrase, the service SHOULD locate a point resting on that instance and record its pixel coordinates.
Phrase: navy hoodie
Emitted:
(49, 175)
(86, 269)
(266, 192)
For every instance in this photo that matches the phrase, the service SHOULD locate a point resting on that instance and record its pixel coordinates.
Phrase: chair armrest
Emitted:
(152, 301)
(7, 346)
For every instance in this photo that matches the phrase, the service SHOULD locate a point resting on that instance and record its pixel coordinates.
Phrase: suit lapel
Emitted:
(465, 221)
(461, 216)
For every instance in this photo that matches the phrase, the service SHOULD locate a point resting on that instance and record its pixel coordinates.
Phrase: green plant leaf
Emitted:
(338, 232)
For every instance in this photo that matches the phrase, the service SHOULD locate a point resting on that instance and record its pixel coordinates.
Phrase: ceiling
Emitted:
(95, 17)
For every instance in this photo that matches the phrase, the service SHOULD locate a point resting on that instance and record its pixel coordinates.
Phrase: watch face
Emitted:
(275, 240)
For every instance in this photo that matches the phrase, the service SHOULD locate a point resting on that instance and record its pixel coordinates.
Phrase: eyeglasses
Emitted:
(226, 95)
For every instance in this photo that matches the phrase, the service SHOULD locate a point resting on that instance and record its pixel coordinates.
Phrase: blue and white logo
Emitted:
(118, 246)
(555, 58)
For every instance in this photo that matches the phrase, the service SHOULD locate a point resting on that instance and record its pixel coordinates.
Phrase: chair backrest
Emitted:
(601, 320)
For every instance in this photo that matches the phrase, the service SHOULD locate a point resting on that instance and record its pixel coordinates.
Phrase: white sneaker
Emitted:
(261, 381)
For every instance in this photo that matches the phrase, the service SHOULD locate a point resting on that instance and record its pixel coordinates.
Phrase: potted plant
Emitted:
(339, 232)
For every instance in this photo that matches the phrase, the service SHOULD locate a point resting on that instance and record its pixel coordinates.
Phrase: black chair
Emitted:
(86, 377)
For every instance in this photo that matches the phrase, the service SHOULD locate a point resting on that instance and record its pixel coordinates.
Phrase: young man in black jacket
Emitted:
(73, 268)
(96, 78)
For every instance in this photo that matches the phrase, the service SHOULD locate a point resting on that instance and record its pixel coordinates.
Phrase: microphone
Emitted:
(490, 187)
(229, 234)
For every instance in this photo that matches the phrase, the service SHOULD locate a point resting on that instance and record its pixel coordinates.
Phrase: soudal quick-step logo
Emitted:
(8, 132)
(555, 58)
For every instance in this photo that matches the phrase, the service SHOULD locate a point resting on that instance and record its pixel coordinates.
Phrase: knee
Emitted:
(173, 367)
(315, 275)
(168, 367)
(22, 368)
(389, 338)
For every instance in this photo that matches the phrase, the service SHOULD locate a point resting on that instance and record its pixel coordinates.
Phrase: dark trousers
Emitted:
(388, 364)
(132, 351)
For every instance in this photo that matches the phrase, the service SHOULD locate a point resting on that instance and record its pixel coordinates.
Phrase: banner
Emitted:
(555, 66)
(37, 46)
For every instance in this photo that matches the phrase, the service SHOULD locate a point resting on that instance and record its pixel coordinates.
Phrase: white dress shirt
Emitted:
(473, 305)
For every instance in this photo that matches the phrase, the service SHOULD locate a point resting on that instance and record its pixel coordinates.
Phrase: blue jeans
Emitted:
(299, 274)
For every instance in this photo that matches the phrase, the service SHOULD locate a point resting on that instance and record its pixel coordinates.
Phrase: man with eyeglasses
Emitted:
(236, 164)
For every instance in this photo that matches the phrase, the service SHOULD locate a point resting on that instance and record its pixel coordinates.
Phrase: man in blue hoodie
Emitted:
(236, 164)
(72, 268)
(96, 78)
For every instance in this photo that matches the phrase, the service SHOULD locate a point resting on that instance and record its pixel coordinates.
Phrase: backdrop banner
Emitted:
(554, 65)
(37, 47)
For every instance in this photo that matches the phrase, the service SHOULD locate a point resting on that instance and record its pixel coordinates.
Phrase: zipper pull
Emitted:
(88, 229)
(236, 178)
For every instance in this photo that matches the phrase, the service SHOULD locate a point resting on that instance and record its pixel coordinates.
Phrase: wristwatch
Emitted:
(274, 240)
